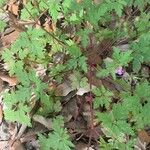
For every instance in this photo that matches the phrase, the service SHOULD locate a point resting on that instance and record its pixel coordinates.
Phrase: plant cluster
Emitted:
(76, 26)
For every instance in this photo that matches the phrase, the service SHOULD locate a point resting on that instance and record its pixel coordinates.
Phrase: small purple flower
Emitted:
(120, 71)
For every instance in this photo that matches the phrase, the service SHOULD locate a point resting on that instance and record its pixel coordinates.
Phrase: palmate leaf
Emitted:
(142, 90)
(20, 115)
(49, 104)
(105, 145)
(16, 110)
(93, 16)
(120, 112)
(141, 51)
(21, 73)
(54, 8)
(72, 63)
(82, 63)
(44, 144)
(7, 56)
(75, 79)
(109, 126)
(118, 6)
(46, 105)
(102, 97)
(137, 105)
(137, 61)
(30, 44)
(118, 59)
(122, 58)
(58, 68)
(85, 36)
(73, 49)
(77, 60)
(132, 104)
(143, 118)
(140, 4)
(142, 23)
(58, 139)
(116, 129)
(28, 11)
(35, 43)
(115, 144)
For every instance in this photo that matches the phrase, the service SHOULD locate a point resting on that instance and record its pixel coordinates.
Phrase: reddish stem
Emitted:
(91, 98)
(91, 104)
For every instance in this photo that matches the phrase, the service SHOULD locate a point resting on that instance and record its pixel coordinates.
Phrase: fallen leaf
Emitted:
(63, 89)
(49, 26)
(83, 146)
(17, 145)
(123, 47)
(82, 91)
(11, 80)
(46, 122)
(13, 7)
(7, 40)
(142, 141)
(144, 137)
(70, 110)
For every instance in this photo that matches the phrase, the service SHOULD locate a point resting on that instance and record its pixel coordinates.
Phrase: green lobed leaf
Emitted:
(59, 135)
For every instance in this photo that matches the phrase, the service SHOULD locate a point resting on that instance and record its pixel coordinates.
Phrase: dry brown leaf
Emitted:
(11, 80)
(63, 89)
(82, 146)
(49, 26)
(70, 110)
(44, 121)
(144, 137)
(13, 7)
(123, 47)
(1, 113)
(17, 145)
(10, 38)
(142, 141)
(83, 90)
